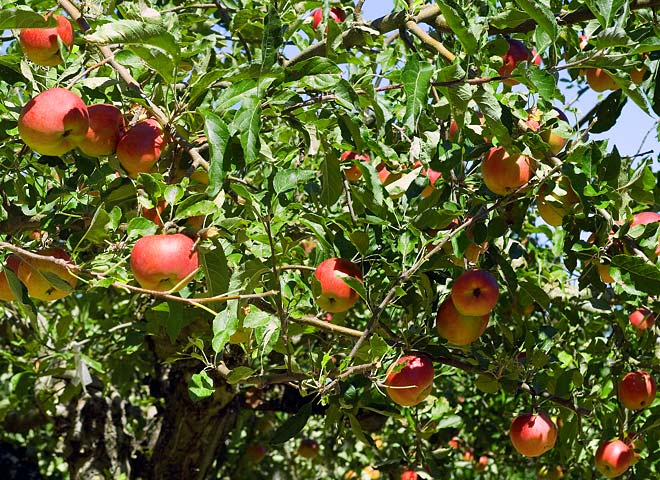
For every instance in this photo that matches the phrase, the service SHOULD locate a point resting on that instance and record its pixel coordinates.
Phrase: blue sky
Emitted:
(629, 130)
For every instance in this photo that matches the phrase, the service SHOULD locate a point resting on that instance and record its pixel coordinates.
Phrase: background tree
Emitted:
(205, 353)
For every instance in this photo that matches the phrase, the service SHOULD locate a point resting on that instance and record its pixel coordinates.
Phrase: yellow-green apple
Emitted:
(241, 335)
(475, 292)
(550, 473)
(40, 44)
(410, 380)
(6, 293)
(409, 475)
(517, 53)
(556, 204)
(140, 147)
(599, 80)
(457, 328)
(335, 294)
(645, 218)
(556, 142)
(504, 173)
(34, 273)
(613, 458)
(255, 452)
(642, 318)
(353, 173)
(161, 262)
(636, 390)
(336, 14)
(533, 435)
(308, 448)
(106, 127)
(604, 273)
(371, 473)
(53, 122)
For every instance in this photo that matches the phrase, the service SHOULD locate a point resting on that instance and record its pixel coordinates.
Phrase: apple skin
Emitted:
(154, 214)
(613, 458)
(599, 80)
(336, 296)
(6, 294)
(642, 318)
(433, 177)
(353, 173)
(556, 142)
(456, 328)
(40, 44)
(604, 273)
(637, 75)
(482, 463)
(554, 211)
(54, 122)
(413, 383)
(636, 390)
(37, 285)
(475, 293)
(255, 453)
(160, 262)
(106, 127)
(517, 52)
(533, 435)
(140, 147)
(336, 14)
(550, 473)
(308, 448)
(503, 173)
(409, 475)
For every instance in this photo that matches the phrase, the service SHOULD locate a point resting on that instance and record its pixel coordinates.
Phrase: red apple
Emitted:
(12, 262)
(645, 218)
(308, 448)
(336, 296)
(353, 173)
(555, 205)
(482, 463)
(457, 328)
(336, 14)
(636, 390)
(613, 458)
(53, 122)
(433, 177)
(517, 52)
(161, 262)
(106, 127)
(31, 273)
(154, 214)
(410, 380)
(503, 173)
(475, 292)
(637, 75)
(642, 318)
(385, 176)
(255, 453)
(40, 44)
(533, 435)
(599, 80)
(409, 475)
(140, 148)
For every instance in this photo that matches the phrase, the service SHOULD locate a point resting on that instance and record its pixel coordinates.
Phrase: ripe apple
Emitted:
(517, 52)
(371, 472)
(533, 435)
(604, 273)
(154, 214)
(410, 380)
(433, 177)
(482, 463)
(613, 458)
(140, 147)
(457, 328)
(385, 176)
(475, 292)
(642, 318)
(556, 142)
(40, 44)
(409, 475)
(636, 390)
(599, 80)
(161, 262)
(6, 294)
(308, 448)
(106, 127)
(336, 14)
(33, 274)
(550, 473)
(53, 122)
(645, 218)
(504, 173)
(555, 205)
(353, 173)
(336, 296)
(255, 452)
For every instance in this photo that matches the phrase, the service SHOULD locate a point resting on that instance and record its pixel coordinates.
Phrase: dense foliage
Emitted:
(257, 107)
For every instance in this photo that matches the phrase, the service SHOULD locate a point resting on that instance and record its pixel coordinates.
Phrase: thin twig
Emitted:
(429, 41)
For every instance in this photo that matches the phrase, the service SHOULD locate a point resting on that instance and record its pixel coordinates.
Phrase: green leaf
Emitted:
(176, 320)
(608, 111)
(644, 277)
(293, 425)
(604, 10)
(201, 207)
(416, 78)
(157, 60)
(487, 383)
(225, 325)
(289, 179)
(331, 180)
(200, 386)
(239, 373)
(257, 319)
(133, 32)
(541, 14)
(247, 124)
(216, 271)
(356, 285)
(217, 134)
(140, 227)
(458, 22)
(272, 37)
(16, 18)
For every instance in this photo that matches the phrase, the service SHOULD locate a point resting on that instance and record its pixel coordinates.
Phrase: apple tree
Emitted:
(281, 239)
